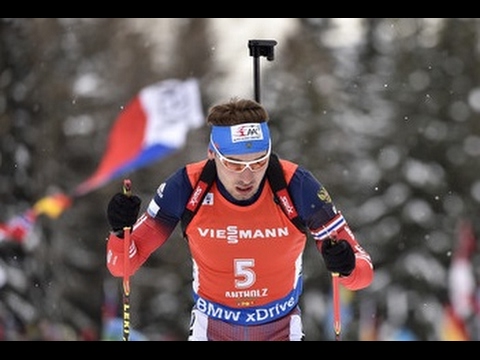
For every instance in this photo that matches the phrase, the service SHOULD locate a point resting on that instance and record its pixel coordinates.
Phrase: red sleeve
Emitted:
(362, 274)
(148, 235)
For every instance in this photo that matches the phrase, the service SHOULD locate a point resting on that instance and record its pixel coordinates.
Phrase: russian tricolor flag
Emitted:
(153, 125)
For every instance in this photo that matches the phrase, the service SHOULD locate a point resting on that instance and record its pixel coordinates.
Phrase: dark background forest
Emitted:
(390, 124)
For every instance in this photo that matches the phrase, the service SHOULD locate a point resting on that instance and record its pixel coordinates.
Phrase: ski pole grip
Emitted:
(127, 190)
(127, 187)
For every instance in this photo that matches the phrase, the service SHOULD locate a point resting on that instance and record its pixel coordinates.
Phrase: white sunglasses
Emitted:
(240, 166)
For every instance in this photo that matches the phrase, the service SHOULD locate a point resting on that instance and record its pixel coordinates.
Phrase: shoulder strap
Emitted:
(277, 181)
(204, 184)
(275, 177)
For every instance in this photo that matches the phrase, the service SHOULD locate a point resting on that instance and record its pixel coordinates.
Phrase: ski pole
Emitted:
(260, 48)
(127, 190)
(337, 323)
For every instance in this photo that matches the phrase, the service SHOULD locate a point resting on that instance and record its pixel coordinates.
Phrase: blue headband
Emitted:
(241, 139)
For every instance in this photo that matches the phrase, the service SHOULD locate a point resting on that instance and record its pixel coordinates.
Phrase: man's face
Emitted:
(241, 174)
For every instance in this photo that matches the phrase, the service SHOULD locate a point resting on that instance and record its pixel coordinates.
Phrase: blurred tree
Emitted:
(394, 137)
(61, 91)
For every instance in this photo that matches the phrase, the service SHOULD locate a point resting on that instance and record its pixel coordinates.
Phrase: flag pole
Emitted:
(127, 190)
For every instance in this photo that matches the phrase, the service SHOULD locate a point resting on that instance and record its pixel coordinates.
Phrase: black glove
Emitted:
(338, 256)
(122, 212)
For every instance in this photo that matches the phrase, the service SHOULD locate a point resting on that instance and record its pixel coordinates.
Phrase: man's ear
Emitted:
(210, 154)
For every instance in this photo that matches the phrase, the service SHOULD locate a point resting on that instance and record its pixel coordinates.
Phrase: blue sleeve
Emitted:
(313, 203)
(171, 197)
